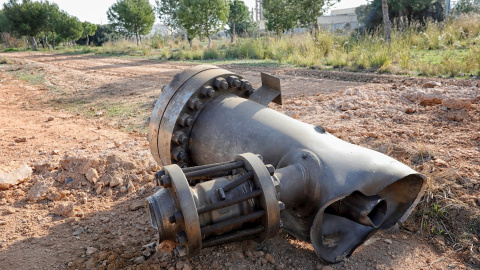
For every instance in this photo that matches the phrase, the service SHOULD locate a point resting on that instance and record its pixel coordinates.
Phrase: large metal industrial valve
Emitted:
(235, 169)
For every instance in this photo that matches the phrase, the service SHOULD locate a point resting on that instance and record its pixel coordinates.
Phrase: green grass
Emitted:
(30, 77)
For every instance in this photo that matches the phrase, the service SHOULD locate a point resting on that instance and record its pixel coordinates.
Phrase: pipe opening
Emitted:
(377, 215)
(366, 210)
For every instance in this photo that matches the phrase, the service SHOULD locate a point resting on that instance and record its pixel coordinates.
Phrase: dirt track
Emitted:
(391, 114)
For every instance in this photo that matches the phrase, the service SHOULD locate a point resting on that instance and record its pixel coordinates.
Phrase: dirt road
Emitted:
(69, 115)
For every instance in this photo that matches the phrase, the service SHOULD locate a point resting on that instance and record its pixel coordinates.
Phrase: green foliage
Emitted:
(132, 17)
(370, 15)
(239, 19)
(309, 10)
(167, 11)
(466, 6)
(104, 33)
(25, 19)
(88, 30)
(68, 27)
(284, 15)
(281, 15)
(203, 18)
(157, 41)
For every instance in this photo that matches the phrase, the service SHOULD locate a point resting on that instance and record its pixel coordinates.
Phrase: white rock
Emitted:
(13, 178)
(90, 251)
(92, 175)
(40, 189)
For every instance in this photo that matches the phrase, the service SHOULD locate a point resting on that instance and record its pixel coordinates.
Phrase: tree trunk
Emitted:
(190, 41)
(209, 41)
(53, 40)
(136, 36)
(233, 33)
(386, 21)
(34, 43)
(88, 41)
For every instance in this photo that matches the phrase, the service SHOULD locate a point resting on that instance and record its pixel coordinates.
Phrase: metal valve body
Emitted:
(235, 169)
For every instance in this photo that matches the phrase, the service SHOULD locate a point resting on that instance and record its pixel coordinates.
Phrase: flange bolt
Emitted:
(195, 104)
(207, 91)
(271, 169)
(179, 154)
(221, 83)
(166, 181)
(185, 120)
(234, 81)
(179, 137)
(245, 85)
(181, 238)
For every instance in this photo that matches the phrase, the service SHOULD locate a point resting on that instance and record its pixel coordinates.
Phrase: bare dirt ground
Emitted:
(79, 121)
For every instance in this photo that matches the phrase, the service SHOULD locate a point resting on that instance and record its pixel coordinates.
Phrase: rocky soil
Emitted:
(74, 177)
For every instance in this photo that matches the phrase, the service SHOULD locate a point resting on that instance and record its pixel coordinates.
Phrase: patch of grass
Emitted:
(5, 61)
(30, 77)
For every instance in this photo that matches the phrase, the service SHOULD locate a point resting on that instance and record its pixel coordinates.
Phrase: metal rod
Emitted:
(240, 235)
(216, 169)
(237, 182)
(223, 204)
(232, 222)
(189, 169)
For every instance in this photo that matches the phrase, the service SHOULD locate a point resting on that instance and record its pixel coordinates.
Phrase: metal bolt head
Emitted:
(195, 104)
(207, 91)
(271, 169)
(181, 238)
(185, 120)
(180, 137)
(166, 181)
(245, 85)
(234, 81)
(159, 174)
(220, 83)
(179, 154)
(178, 217)
(249, 92)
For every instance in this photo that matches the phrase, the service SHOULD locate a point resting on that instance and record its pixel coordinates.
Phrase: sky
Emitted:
(95, 11)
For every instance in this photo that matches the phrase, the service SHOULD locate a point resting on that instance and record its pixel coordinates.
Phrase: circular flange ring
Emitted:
(162, 103)
(188, 207)
(178, 104)
(268, 199)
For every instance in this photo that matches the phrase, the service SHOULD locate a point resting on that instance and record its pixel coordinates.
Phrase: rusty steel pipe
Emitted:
(334, 194)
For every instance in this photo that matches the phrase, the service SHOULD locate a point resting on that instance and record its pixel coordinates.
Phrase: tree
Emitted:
(88, 30)
(281, 15)
(386, 21)
(239, 15)
(308, 11)
(371, 15)
(26, 19)
(203, 18)
(467, 6)
(132, 17)
(53, 15)
(104, 33)
(69, 28)
(167, 11)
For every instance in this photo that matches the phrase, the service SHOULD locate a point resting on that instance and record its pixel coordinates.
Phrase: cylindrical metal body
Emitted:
(314, 169)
